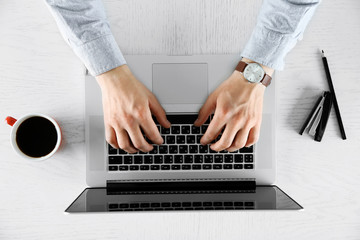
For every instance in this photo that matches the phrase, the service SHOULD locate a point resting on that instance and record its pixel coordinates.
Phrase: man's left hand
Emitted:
(238, 108)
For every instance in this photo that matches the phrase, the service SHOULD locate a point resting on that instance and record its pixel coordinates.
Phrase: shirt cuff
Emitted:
(268, 47)
(100, 55)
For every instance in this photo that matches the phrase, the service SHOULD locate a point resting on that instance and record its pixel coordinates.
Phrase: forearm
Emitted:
(84, 26)
(280, 24)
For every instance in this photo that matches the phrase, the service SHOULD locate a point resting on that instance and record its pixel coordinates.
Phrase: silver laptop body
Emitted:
(193, 78)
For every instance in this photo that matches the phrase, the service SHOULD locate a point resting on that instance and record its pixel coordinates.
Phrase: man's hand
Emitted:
(238, 107)
(127, 106)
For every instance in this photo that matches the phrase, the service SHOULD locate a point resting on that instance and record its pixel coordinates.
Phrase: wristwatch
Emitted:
(254, 73)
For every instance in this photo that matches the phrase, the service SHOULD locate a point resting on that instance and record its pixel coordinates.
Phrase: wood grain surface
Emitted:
(40, 73)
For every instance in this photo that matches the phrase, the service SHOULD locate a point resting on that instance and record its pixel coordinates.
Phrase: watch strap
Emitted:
(241, 67)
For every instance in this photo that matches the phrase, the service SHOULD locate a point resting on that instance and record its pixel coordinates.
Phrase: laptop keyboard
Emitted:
(158, 206)
(181, 150)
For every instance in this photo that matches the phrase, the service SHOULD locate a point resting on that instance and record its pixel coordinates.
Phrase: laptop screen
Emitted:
(262, 198)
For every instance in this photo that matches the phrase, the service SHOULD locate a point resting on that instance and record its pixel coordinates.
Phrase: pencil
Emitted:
(332, 90)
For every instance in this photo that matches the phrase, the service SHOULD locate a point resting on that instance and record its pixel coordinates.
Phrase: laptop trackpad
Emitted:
(180, 83)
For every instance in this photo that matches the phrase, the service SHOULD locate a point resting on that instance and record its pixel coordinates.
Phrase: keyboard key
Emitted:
(193, 149)
(227, 166)
(208, 159)
(165, 130)
(217, 204)
(186, 167)
(134, 205)
(189, 159)
(170, 139)
(238, 204)
(203, 149)
(238, 166)
(123, 168)
(113, 205)
(155, 167)
(198, 137)
(122, 152)
(128, 159)
(155, 150)
(207, 166)
(217, 166)
(249, 158)
(134, 168)
(207, 204)
(185, 129)
(198, 158)
(112, 151)
(176, 204)
(196, 166)
(186, 204)
(247, 149)
(239, 158)
(165, 204)
(228, 204)
(148, 159)
(248, 166)
(229, 158)
(144, 205)
(163, 149)
(190, 139)
(197, 204)
(249, 204)
(113, 168)
(180, 139)
(175, 129)
(138, 159)
(218, 158)
(183, 149)
(165, 167)
(203, 128)
(115, 159)
(179, 158)
(144, 167)
(195, 130)
(175, 167)
(169, 159)
(158, 159)
(124, 205)
(173, 149)
(155, 205)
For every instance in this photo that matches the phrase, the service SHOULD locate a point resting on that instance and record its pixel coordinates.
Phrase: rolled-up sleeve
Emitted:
(84, 26)
(280, 24)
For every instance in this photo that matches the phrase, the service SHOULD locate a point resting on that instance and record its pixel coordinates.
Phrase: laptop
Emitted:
(180, 174)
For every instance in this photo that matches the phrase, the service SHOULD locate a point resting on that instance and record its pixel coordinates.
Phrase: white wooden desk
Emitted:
(39, 73)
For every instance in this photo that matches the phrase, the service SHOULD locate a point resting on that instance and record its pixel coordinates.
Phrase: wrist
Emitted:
(120, 73)
(269, 71)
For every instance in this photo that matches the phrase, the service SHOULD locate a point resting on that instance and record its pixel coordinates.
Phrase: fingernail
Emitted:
(196, 121)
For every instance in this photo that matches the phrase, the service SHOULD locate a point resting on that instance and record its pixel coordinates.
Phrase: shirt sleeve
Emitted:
(280, 24)
(84, 26)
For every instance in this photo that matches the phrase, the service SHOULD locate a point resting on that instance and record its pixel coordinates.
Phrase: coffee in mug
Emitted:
(35, 136)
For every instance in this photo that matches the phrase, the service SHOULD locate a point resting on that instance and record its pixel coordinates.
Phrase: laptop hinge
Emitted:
(173, 185)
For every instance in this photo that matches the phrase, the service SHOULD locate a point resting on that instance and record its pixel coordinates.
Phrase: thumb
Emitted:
(206, 110)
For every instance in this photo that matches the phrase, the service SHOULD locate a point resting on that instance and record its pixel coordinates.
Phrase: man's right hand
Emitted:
(128, 106)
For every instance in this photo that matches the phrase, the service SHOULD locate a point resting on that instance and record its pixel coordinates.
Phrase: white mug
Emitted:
(15, 126)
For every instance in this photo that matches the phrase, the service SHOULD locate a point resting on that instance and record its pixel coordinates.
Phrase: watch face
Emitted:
(254, 72)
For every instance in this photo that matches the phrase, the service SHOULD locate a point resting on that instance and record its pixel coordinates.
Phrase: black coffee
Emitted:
(36, 136)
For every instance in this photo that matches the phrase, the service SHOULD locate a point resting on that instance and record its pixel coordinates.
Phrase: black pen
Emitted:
(332, 90)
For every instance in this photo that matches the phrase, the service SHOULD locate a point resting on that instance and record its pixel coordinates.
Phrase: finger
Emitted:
(124, 141)
(206, 110)
(227, 138)
(253, 136)
(240, 140)
(150, 129)
(215, 126)
(138, 139)
(159, 112)
(110, 136)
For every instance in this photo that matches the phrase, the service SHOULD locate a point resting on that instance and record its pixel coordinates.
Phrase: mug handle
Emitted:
(10, 120)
